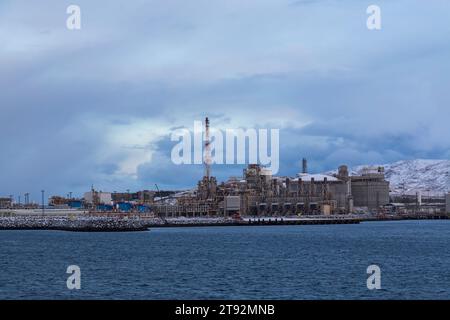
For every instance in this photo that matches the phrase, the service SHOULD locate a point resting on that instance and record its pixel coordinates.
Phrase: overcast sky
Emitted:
(97, 105)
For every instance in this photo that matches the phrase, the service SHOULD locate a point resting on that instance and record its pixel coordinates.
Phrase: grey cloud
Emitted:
(365, 97)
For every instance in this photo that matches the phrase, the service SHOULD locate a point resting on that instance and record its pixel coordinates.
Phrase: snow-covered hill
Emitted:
(410, 176)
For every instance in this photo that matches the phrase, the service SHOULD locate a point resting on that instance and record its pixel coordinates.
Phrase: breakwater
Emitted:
(95, 223)
(423, 216)
(222, 222)
(117, 224)
(80, 224)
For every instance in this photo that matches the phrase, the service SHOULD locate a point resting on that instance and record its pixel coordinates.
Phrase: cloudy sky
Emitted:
(97, 105)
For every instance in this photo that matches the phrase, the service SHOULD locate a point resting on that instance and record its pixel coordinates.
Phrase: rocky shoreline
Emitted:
(115, 224)
(85, 224)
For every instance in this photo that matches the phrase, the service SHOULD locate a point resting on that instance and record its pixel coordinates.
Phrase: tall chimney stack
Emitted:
(304, 166)
(207, 156)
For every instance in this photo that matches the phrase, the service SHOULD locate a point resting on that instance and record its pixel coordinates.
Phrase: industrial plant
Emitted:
(257, 193)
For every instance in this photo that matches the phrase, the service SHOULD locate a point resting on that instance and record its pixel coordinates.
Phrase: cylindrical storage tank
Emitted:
(343, 171)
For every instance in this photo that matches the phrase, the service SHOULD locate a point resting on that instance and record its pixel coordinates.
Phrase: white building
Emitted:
(232, 203)
(103, 197)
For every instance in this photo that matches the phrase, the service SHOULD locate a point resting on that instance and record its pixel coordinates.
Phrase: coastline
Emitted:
(78, 224)
(134, 224)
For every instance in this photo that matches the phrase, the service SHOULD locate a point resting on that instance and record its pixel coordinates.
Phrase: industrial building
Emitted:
(258, 193)
(5, 203)
(304, 194)
(62, 202)
(370, 189)
(145, 196)
(97, 197)
(99, 201)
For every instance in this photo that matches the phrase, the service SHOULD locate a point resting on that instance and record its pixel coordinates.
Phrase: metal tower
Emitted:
(207, 154)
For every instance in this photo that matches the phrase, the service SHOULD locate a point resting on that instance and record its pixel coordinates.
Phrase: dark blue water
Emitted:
(276, 262)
